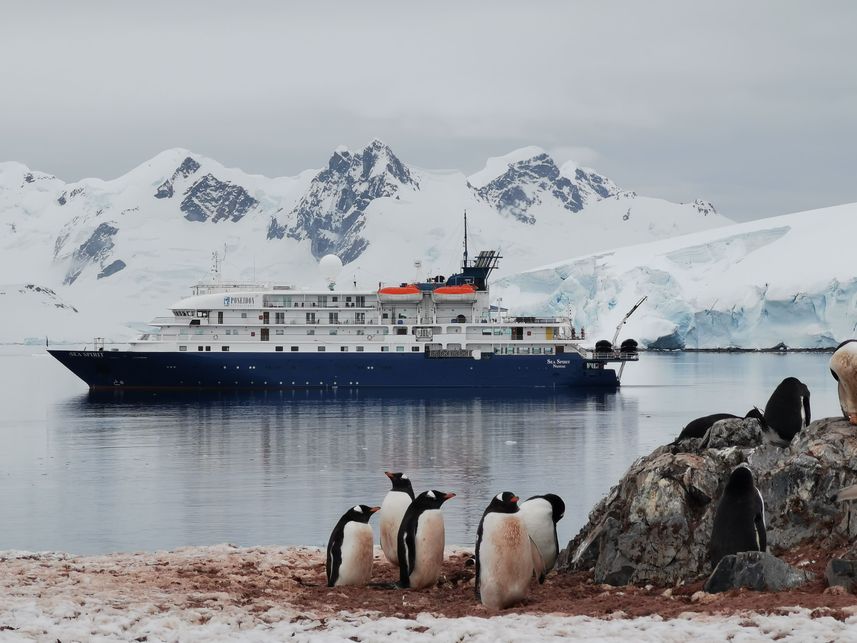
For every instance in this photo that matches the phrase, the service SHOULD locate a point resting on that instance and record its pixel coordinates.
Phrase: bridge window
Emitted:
(343, 349)
(225, 349)
(385, 349)
(415, 349)
(199, 348)
(359, 349)
(294, 349)
(279, 349)
(182, 348)
(321, 349)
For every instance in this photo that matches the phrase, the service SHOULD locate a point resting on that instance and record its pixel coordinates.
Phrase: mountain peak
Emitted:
(499, 165)
(332, 211)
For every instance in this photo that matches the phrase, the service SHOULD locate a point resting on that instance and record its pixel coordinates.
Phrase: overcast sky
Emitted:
(752, 105)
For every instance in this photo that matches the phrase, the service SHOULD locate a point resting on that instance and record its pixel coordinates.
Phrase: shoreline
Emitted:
(223, 591)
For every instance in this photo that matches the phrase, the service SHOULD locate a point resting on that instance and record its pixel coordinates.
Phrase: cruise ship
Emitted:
(437, 332)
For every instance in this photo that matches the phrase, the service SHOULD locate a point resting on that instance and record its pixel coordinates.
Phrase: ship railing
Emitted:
(536, 320)
(614, 355)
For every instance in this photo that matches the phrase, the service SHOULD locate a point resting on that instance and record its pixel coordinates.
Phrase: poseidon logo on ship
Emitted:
(229, 301)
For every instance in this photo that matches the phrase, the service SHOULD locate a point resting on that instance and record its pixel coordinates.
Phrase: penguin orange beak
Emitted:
(449, 495)
(389, 474)
(374, 509)
(514, 498)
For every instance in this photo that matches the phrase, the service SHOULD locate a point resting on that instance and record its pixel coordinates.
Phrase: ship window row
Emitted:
(320, 301)
(320, 349)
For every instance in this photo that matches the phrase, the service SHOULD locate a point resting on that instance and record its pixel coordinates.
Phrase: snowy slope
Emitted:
(123, 250)
(789, 279)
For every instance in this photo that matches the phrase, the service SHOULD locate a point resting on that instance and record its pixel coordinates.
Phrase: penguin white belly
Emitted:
(505, 561)
(537, 515)
(356, 565)
(392, 509)
(429, 542)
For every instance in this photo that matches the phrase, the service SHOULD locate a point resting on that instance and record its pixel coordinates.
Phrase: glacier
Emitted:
(789, 280)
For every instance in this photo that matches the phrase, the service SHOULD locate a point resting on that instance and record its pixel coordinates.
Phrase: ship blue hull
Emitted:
(128, 370)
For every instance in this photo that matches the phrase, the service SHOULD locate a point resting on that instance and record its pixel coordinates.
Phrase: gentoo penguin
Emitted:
(787, 410)
(395, 504)
(421, 540)
(739, 524)
(843, 367)
(349, 550)
(540, 514)
(506, 556)
(698, 427)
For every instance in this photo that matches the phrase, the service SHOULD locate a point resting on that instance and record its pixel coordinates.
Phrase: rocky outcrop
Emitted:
(111, 269)
(527, 182)
(211, 198)
(167, 189)
(655, 525)
(755, 570)
(331, 213)
(843, 573)
(94, 250)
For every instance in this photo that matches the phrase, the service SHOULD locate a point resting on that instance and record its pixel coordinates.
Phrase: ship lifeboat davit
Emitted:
(450, 294)
(401, 294)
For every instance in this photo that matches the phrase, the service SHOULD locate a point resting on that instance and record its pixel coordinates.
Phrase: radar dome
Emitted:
(330, 266)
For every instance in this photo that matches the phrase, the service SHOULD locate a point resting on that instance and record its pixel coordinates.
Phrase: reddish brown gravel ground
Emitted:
(263, 579)
(573, 594)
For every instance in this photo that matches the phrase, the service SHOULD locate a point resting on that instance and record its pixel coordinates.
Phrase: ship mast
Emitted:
(465, 239)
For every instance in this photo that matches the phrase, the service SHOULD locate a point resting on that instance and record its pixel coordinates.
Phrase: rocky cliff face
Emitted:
(332, 212)
(95, 250)
(531, 181)
(655, 525)
(216, 200)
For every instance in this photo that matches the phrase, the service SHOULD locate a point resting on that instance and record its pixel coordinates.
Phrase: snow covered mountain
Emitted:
(123, 250)
(790, 279)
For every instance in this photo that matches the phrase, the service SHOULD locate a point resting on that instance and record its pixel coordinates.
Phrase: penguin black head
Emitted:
(359, 513)
(401, 482)
(505, 502)
(756, 414)
(740, 481)
(432, 499)
(557, 505)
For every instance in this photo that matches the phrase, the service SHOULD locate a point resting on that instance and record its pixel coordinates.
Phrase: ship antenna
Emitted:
(215, 267)
(465, 238)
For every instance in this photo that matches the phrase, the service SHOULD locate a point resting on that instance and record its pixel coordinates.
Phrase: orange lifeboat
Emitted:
(464, 293)
(402, 294)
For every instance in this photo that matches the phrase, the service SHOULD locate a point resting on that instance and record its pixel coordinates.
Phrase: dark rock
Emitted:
(737, 432)
(541, 177)
(755, 570)
(332, 212)
(187, 167)
(842, 572)
(165, 190)
(62, 200)
(111, 269)
(658, 518)
(94, 250)
(211, 198)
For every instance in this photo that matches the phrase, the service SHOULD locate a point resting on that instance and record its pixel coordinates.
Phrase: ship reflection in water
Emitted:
(147, 471)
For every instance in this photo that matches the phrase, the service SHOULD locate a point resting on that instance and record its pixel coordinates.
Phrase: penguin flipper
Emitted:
(538, 561)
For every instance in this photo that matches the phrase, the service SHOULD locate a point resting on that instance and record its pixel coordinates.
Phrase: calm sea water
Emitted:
(91, 474)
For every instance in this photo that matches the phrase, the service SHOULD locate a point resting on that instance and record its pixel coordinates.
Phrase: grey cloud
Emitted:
(748, 105)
